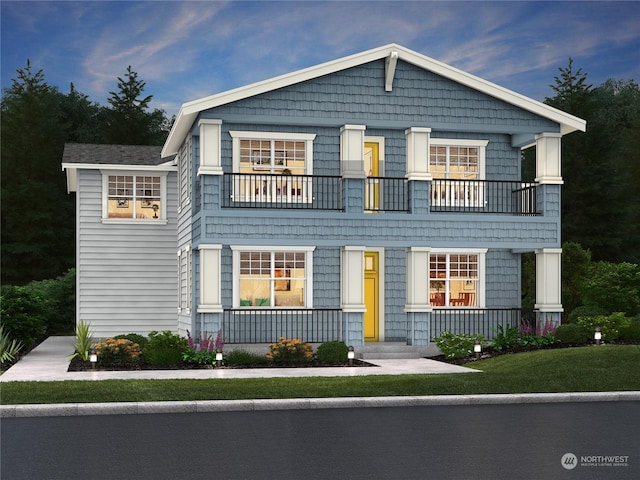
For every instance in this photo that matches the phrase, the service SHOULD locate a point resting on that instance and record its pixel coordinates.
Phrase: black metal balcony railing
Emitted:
(315, 192)
(267, 325)
(483, 196)
(473, 321)
(386, 194)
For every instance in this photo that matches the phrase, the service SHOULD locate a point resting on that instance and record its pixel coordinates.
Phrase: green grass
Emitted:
(603, 368)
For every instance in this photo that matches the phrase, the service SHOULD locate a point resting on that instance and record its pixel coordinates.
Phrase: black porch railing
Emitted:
(484, 196)
(473, 321)
(314, 192)
(386, 194)
(267, 325)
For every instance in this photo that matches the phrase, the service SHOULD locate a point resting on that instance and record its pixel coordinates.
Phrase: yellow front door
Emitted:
(372, 169)
(371, 289)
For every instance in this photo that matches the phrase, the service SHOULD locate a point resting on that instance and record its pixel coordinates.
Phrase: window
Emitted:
(461, 164)
(272, 278)
(139, 197)
(455, 279)
(271, 167)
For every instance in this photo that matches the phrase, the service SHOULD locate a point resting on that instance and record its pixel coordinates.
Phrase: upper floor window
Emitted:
(270, 167)
(134, 197)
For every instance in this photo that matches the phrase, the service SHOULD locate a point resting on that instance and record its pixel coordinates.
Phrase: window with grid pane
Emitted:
(134, 196)
(453, 280)
(454, 162)
(272, 279)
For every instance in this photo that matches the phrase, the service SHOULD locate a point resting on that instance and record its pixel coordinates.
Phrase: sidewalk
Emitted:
(49, 362)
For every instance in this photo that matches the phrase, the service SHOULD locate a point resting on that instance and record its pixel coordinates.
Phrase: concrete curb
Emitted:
(137, 408)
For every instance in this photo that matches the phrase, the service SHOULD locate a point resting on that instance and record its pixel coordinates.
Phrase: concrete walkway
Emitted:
(49, 361)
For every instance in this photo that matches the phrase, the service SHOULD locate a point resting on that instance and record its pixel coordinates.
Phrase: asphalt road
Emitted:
(516, 441)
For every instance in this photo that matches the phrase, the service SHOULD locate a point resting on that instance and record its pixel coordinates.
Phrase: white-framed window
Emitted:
(184, 174)
(272, 277)
(462, 164)
(180, 281)
(271, 166)
(129, 196)
(187, 253)
(456, 278)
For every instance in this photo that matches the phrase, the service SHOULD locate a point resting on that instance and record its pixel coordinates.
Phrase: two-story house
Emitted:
(377, 197)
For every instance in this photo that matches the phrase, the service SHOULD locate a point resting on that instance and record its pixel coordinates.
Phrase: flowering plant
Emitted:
(290, 350)
(118, 351)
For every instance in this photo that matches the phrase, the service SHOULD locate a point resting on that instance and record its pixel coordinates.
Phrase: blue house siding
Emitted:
(395, 298)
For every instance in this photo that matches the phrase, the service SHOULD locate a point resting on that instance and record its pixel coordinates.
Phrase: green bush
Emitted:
(9, 347)
(572, 333)
(506, 338)
(614, 287)
(82, 342)
(630, 331)
(60, 302)
(165, 348)
(135, 338)
(456, 345)
(584, 311)
(22, 311)
(332, 352)
(609, 324)
(242, 357)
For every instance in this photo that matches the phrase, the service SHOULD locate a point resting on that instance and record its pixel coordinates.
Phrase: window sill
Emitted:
(133, 221)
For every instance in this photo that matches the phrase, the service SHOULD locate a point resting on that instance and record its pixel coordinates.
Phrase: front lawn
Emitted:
(582, 369)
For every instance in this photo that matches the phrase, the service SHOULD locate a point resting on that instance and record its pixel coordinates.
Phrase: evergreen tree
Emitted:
(128, 121)
(37, 214)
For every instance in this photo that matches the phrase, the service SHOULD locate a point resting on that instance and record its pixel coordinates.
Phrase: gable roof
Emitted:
(114, 157)
(392, 52)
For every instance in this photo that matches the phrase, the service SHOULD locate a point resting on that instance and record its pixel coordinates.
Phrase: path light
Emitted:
(477, 348)
(218, 358)
(351, 355)
(93, 357)
(597, 336)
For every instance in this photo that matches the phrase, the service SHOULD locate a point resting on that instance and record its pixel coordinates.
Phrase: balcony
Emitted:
(474, 321)
(483, 196)
(380, 194)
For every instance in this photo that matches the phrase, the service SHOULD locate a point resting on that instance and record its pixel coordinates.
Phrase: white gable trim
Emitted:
(190, 110)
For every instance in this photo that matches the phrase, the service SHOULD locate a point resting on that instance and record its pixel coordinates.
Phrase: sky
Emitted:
(193, 49)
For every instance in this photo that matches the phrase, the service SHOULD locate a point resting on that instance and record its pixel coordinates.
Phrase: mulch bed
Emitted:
(78, 365)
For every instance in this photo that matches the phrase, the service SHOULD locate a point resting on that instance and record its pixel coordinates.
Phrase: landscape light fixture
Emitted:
(477, 348)
(218, 358)
(351, 355)
(93, 357)
(597, 336)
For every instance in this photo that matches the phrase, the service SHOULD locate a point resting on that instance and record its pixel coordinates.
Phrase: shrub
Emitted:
(332, 352)
(118, 351)
(9, 348)
(584, 311)
(506, 338)
(613, 286)
(23, 314)
(59, 305)
(456, 345)
(82, 342)
(609, 324)
(165, 348)
(290, 351)
(572, 333)
(141, 340)
(242, 357)
(630, 331)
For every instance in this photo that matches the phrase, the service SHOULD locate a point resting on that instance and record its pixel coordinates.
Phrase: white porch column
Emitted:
(549, 280)
(418, 280)
(210, 153)
(418, 139)
(548, 159)
(352, 279)
(210, 283)
(352, 151)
